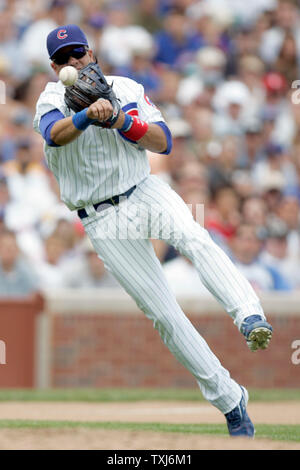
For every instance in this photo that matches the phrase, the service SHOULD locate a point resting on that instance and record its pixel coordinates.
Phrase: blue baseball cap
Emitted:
(63, 36)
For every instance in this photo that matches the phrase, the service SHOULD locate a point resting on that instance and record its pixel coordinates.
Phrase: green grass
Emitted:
(273, 432)
(266, 431)
(136, 394)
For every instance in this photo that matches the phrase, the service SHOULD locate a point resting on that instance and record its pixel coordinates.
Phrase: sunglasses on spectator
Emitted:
(63, 57)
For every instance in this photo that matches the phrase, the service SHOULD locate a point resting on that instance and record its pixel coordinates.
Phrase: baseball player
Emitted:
(96, 148)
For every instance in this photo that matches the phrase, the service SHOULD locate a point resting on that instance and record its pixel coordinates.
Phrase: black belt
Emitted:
(100, 206)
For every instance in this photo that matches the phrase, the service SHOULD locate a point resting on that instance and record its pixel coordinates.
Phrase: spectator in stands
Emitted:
(211, 21)
(254, 212)
(28, 91)
(119, 34)
(17, 126)
(275, 98)
(286, 20)
(181, 150)
(288, 60)
(245, 43)
(200, 120)
(176, 42)
(223, 217)
(251, 71)
(276, 253)
(50, 270)
(167, 93)
(204, 143)
(17, 277)
(28, 186)
(207, 72)
(288, 210)
(246, 247)
(32, 46)
(242, 183)
(275, 166)
(252, 148)
(66, 230)
(140, 68)
(94, 23)
(10, 48)
(197, 200)
(265, 20)
(268, 121)
(148, 15)
(183, 278)
(191, 175)
(232, 103)
(287, 121)
(87, 271)
(222, 168)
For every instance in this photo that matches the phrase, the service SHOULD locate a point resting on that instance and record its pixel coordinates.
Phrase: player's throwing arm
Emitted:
(95, 102)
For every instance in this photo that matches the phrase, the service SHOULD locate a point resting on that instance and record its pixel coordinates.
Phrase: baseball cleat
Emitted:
(238, 422)
(257, 331)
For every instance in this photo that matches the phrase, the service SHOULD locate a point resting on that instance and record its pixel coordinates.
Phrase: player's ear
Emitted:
(91, 55)
(54, 67)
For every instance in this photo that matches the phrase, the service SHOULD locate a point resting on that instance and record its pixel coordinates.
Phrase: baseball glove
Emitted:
(90, 86)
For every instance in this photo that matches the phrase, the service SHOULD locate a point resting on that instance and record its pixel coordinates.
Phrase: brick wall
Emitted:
(18, 322)
(111, 349)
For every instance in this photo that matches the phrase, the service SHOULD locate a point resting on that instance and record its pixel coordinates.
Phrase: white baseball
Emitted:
(68, 75)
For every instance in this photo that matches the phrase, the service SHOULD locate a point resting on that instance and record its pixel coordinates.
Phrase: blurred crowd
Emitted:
(224, 74)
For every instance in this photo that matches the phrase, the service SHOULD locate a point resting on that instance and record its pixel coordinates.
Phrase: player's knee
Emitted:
(192, 240)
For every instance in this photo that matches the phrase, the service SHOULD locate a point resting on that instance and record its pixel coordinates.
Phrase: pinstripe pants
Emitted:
(120, 235)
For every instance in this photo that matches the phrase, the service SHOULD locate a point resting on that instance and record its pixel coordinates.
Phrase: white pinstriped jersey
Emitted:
(100, 163)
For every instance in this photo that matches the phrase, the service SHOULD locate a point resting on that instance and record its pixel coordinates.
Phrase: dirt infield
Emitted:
(87, 439)
(163, 412)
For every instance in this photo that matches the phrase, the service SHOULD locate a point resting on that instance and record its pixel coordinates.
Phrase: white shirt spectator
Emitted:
(288, 267)
(87, 270)
(233, 94)
(183, 278)
(258, 276)
(31, 197)
(117, 43)
(77, 274)
(50, 276)
(263, 175)
(32, 46)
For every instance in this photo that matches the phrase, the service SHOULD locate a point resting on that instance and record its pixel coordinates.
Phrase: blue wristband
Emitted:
(81, 121)
(127, 123)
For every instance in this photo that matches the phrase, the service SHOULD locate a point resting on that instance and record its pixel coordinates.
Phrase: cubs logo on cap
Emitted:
(63, 36)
